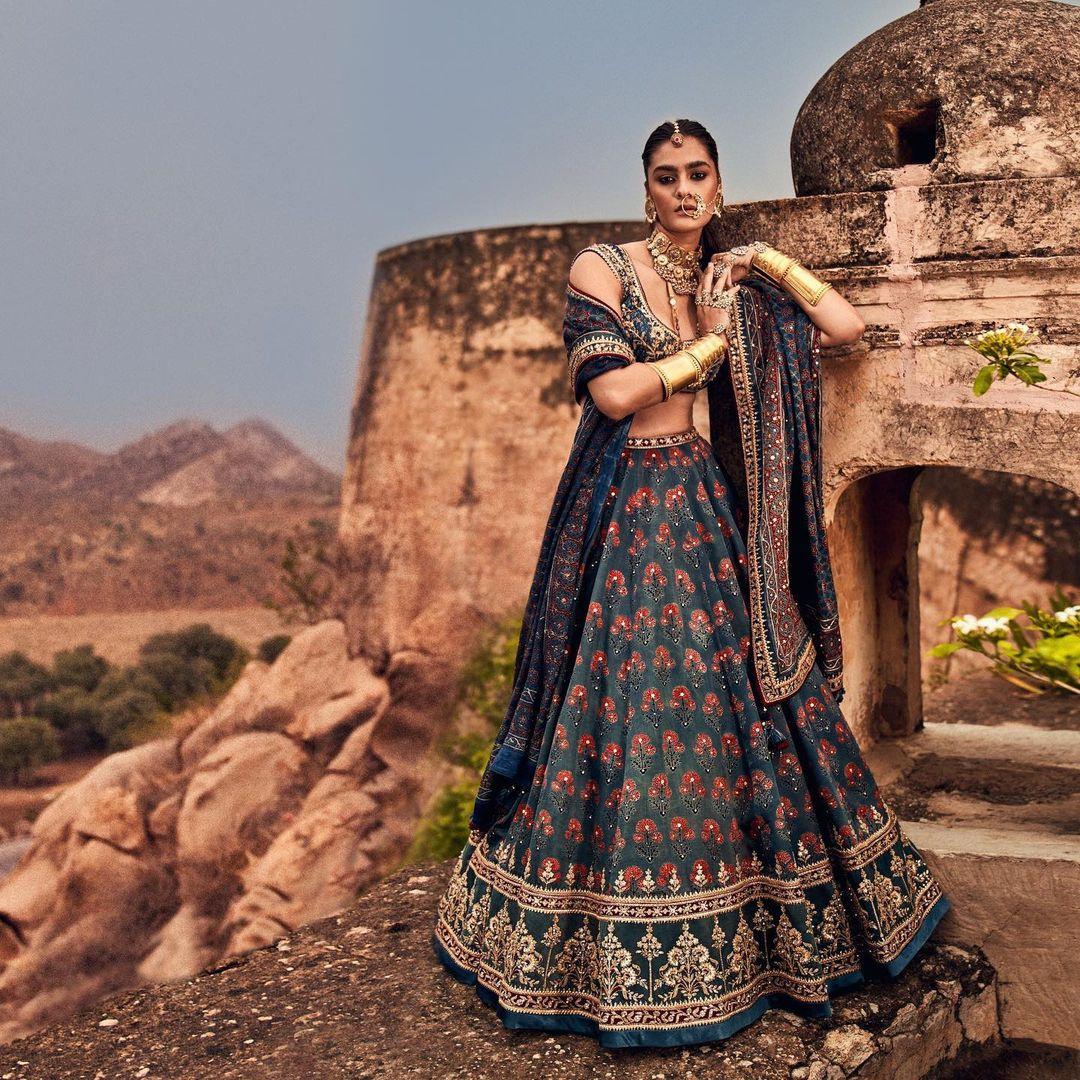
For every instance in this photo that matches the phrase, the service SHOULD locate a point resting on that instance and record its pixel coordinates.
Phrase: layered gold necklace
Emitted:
(677, 266)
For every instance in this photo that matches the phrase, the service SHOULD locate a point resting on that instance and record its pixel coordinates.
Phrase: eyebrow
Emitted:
(672, 168)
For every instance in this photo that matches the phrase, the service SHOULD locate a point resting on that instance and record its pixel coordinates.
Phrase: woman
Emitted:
(676, 829)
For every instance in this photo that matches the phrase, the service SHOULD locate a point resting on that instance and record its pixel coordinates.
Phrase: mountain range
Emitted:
(185, 516)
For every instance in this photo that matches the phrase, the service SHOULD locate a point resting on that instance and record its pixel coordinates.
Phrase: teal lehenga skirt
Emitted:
(673, 872)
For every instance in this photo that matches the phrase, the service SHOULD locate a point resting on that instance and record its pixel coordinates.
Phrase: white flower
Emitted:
(966, 624)
(1068, 614)
(1022, 327)
(994, 627)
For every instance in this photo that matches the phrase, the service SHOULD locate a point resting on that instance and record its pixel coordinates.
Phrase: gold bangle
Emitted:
(789, 273)
(804, 284)
(688, 366)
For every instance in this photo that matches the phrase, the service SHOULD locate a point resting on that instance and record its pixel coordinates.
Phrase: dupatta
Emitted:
(769, 422)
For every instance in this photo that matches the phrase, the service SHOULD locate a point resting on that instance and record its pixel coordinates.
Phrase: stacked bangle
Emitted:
(689, 365)
(785, 271)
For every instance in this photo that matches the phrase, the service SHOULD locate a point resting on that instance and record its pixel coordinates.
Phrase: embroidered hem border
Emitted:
(677, 1023)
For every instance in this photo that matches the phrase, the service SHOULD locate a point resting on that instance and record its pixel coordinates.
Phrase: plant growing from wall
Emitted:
(1007, 352)
(1034, 648)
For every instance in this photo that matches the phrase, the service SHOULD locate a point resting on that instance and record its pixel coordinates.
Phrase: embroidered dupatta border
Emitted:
(767, 510)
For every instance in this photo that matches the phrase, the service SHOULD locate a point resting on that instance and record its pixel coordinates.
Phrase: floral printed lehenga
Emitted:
(684, 833)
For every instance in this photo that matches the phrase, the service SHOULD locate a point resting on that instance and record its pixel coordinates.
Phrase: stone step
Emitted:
(996, 813)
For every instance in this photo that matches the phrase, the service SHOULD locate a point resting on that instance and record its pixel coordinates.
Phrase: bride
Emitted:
(676, 829)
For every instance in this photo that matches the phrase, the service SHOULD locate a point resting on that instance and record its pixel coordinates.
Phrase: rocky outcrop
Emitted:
(362, 995)
(299, 790)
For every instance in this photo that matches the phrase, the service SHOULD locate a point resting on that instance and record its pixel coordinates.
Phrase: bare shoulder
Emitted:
(591, 275)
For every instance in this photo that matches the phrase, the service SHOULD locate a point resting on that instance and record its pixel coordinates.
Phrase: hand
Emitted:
(716, 278)
(738, 266)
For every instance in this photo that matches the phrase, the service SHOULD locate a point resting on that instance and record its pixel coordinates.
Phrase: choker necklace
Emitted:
(678, 267)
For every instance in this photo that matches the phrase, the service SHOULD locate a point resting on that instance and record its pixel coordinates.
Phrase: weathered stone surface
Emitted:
(976, 60)
(362, 995)
(1014, 894)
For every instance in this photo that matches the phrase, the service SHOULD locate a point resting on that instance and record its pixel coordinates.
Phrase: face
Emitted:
(676, 174)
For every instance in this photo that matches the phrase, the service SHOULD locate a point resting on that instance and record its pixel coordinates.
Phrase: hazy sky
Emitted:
(192, 192)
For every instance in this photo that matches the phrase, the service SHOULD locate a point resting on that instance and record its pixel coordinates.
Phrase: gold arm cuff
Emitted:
(676, 371)
(790, 274)
(804, 284)
(688, 366)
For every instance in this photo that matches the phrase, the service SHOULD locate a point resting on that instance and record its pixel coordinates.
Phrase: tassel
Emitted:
(773, 737)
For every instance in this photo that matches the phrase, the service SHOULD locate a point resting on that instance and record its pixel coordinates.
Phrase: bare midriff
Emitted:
(665, 417)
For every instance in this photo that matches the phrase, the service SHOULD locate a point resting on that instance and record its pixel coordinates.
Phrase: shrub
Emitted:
(80, 667)
(25, 742)
(187, 663)
(484, 692)
(22, 682)
(76, 717)
(127, 719)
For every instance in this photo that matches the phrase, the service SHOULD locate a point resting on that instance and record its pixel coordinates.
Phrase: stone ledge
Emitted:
(361, 995)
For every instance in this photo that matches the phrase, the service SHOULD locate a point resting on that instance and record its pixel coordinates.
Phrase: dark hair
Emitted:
(710, 234)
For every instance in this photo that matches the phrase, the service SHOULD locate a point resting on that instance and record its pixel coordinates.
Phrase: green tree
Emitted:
(75, 714)
(127, 718)
(25, 743)
(188, 663)
(22, 683)
(80, 667)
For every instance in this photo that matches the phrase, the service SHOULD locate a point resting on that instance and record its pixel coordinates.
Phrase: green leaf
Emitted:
(983, 380)
(1004, 613)
(947, 648)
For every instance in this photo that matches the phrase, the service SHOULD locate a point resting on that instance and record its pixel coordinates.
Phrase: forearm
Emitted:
(837, 320)
(626, 390)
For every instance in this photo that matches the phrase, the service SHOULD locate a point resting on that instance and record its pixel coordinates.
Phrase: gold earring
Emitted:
(650, 209)
(718, 202)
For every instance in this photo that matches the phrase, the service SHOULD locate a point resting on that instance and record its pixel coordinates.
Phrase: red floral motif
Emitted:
(652, 704)
(641, 750)
(548, 871)
(631, 796)
(663, 664)
(654, 581)
(660, 794)
(701, 627)
(607, 711)
(574, 832)
(644, 624)
(559, 742)
(611, 761)
(676, 505)
(721, 791)
(586, 752)
(631, 673)
(668, 877)
(695, 668)
(671, 622)
(704, 751)
(611, 535)
(543, 823)
(562, 788)
(682, 704)
(594, 620)
(577, 700)
(712, 836)
(672, 748)
(598, 667)
(665, 541)
(680, 833)
(647, 838)
(700, 874)
(615, 583)
(685, 584)
(692, 790)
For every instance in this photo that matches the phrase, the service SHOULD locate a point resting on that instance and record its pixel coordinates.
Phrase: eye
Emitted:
(700, 175)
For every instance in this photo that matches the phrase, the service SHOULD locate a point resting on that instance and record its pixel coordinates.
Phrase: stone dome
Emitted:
(972, 89)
